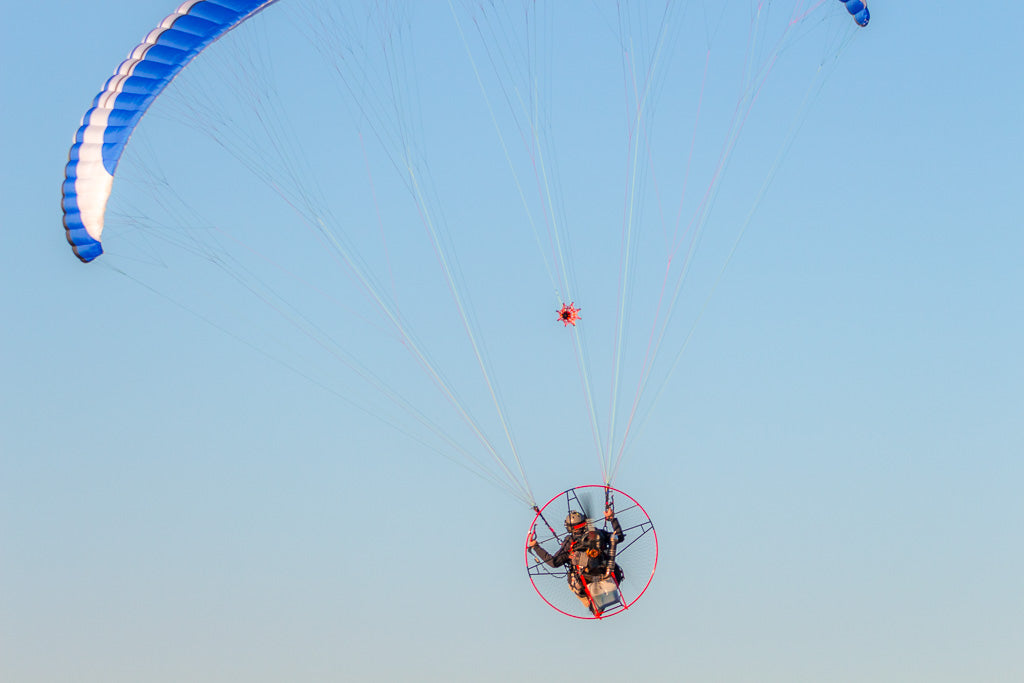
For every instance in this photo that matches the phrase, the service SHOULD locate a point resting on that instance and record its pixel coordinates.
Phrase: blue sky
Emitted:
(834, 469)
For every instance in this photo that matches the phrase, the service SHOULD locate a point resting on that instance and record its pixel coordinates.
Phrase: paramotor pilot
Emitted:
(593, 574)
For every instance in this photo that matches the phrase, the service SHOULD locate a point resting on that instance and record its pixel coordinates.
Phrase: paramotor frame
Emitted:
(637, 555)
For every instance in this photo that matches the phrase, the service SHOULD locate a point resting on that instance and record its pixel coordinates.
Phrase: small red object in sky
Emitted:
(569, 314)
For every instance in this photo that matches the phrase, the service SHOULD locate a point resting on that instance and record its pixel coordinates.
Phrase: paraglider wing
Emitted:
(858, 10)
(107, 125)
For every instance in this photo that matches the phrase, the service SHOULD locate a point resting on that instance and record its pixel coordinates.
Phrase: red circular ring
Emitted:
(533, 524)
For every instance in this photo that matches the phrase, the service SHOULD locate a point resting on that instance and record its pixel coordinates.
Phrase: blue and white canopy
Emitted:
(858, 11)
(125, 97)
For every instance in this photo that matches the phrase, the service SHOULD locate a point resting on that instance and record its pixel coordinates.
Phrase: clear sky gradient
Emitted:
(835, 469)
